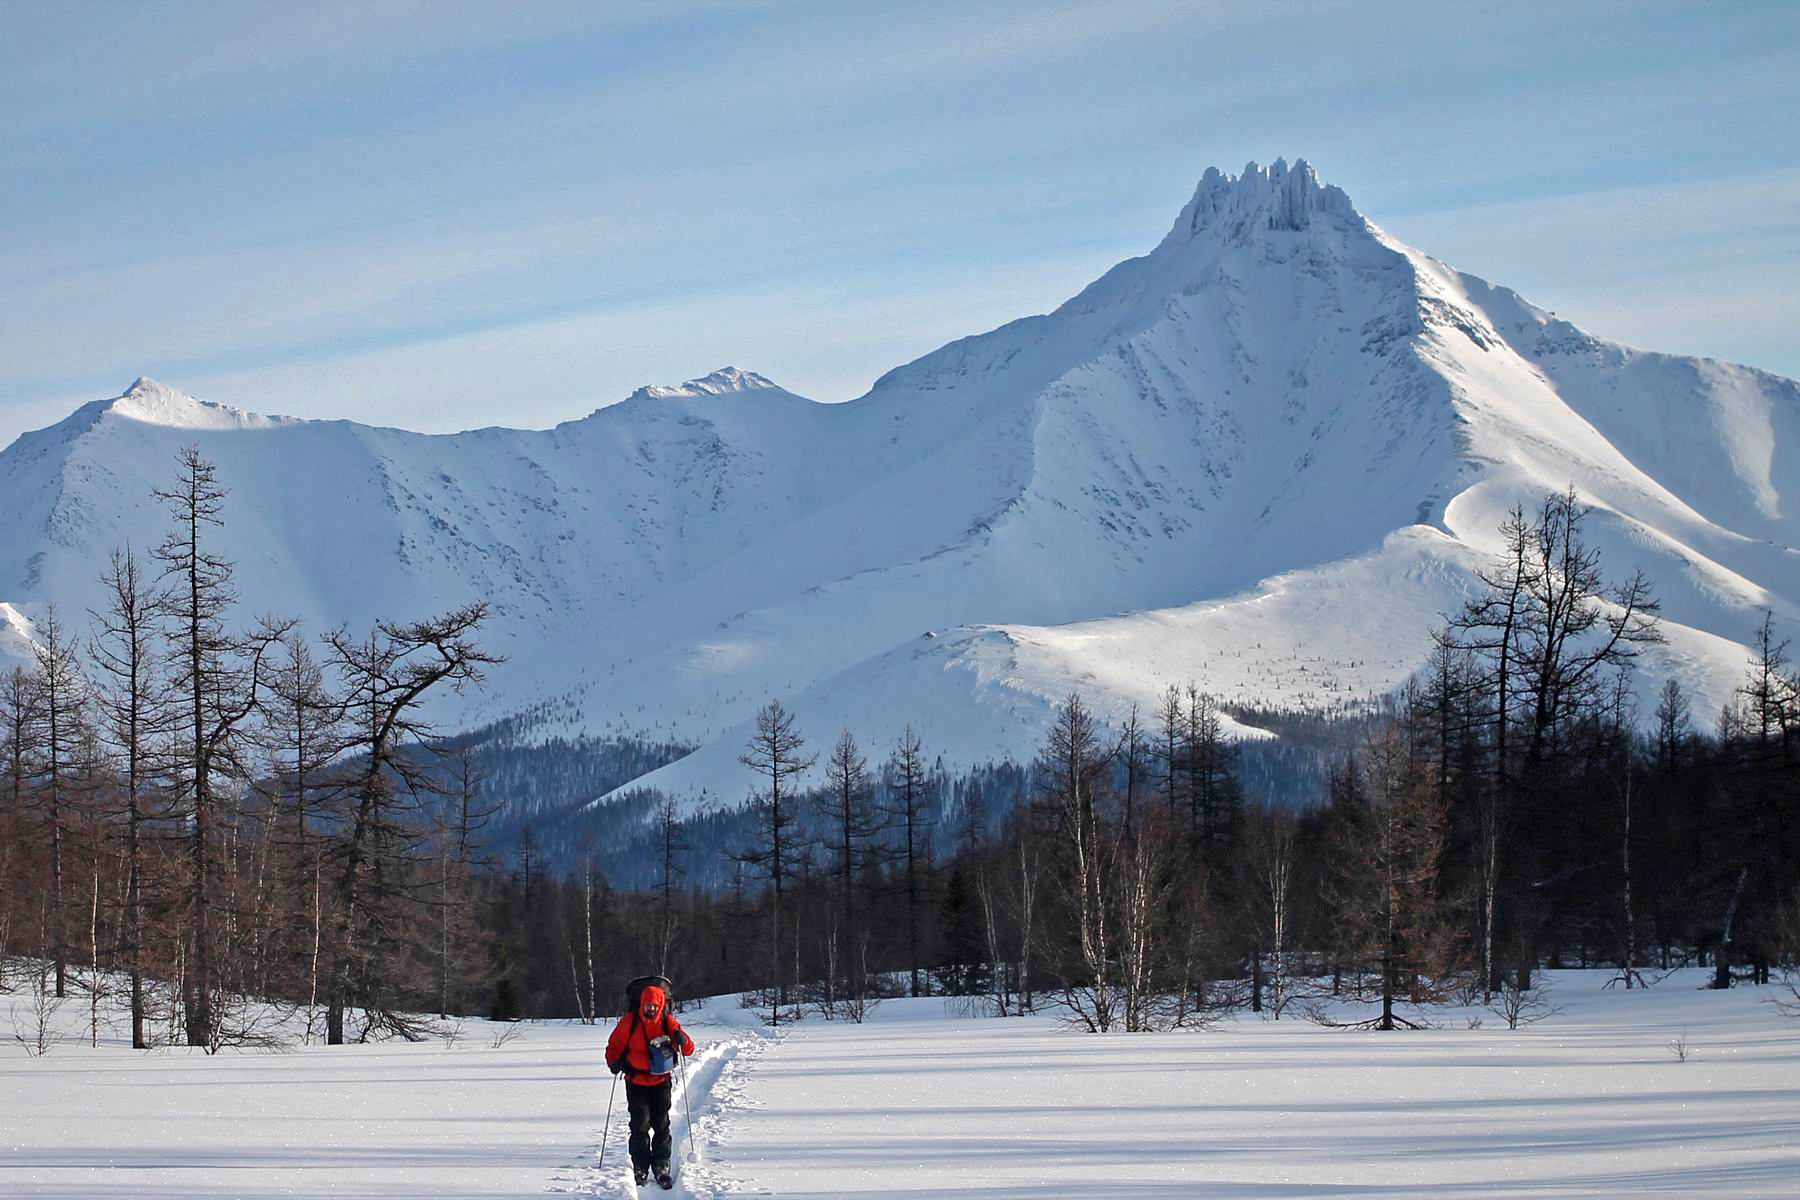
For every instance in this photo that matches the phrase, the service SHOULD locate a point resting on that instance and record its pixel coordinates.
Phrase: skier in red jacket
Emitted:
(643, 1047)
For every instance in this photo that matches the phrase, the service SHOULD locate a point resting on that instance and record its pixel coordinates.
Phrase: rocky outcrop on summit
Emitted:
(726, 381)
(1278, 198)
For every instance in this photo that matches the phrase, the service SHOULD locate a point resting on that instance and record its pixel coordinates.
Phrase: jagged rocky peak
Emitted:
(725, 381)
(1276, 197)
(729, 379)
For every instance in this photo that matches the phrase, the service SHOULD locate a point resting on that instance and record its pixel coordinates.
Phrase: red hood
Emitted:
(653, 1003)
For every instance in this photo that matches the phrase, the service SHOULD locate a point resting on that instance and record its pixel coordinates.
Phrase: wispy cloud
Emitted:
(537, 372)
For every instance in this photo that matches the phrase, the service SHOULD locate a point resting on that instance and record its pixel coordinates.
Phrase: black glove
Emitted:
(616, 1067)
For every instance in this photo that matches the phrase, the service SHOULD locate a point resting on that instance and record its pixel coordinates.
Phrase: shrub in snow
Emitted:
(34, 1021)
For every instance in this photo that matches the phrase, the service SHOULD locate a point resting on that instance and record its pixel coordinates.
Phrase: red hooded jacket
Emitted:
(630, 1040)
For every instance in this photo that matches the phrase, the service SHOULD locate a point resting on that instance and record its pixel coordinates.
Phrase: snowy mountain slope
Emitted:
(16, 636)
(1265, 456)
(1303, 389)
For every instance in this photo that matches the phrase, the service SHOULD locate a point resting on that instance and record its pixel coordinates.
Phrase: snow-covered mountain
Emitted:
(1265, 456)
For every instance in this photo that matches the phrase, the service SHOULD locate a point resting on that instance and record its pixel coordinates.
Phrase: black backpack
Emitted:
(634, 991)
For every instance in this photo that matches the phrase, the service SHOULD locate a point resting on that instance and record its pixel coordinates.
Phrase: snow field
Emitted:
(1592, 1102)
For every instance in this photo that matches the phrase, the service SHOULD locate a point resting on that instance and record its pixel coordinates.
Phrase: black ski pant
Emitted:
(649, 1105)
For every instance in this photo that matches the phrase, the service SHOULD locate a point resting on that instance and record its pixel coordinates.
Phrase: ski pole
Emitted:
(607, 1128)
(687, 1106)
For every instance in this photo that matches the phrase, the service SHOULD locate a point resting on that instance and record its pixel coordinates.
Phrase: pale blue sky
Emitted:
(440, 216)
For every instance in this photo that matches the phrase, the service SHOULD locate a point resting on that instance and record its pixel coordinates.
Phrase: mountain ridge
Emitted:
(1277, 406)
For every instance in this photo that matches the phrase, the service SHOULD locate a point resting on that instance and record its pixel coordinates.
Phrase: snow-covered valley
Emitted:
(1592, 1102)
(1264, 456)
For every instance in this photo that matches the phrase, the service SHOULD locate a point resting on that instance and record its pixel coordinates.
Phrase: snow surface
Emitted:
(1264, 456)
(1590, 1103)
(17, 637)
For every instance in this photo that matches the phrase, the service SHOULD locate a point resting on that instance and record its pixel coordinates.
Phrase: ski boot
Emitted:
(639, 1174)
(664, 1179)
